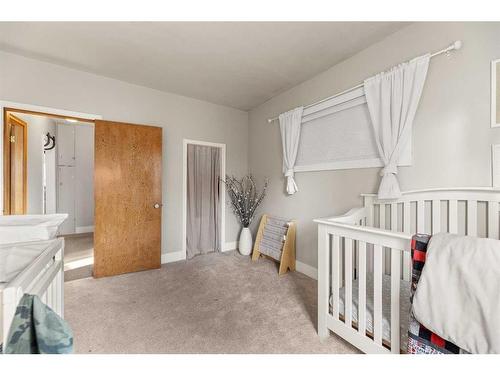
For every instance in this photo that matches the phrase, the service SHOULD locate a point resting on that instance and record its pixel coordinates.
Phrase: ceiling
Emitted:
(237, 64)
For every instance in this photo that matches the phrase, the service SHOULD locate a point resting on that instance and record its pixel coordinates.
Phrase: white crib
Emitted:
(44, 277)
(364, 262)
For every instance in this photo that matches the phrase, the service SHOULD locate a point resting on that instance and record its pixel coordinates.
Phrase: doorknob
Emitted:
(157, 205)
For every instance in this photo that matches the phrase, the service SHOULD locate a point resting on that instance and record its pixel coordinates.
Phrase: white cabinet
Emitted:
(65, 144)
(75, 176)
(66, 197)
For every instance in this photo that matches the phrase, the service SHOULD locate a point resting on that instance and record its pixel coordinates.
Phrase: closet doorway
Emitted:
(49, 169)
(204, 219)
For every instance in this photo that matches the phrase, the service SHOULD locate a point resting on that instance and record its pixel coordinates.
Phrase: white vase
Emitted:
(245, 244)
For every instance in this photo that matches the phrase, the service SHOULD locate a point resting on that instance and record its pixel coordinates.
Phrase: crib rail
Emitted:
(374, 240)
(44, 277)
(467, 211)
(338, 242)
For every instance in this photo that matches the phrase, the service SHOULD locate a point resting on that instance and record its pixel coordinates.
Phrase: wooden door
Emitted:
(127, 190)
(15, 175)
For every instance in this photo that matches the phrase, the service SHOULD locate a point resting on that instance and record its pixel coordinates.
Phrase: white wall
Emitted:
(38, 126)
(452, 134)
(30, 81)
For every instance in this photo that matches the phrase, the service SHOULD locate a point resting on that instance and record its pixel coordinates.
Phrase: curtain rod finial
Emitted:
(457, 44)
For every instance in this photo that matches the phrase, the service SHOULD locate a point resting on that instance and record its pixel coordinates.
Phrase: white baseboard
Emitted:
(228, 246)
(87, 229)
(172, 257)
(306, 269)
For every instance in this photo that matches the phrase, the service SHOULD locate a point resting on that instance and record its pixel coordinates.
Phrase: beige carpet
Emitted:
(217, 303)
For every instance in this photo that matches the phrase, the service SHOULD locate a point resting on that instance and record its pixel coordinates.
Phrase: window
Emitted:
(337, 134)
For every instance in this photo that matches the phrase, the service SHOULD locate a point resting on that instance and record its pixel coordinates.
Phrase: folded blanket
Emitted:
(37, 329)
(421, 340)
(457, 294)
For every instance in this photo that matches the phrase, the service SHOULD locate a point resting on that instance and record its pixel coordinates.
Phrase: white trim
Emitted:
(228, 246)
(222, 146)
(494, 122)
(48, 110)
(306, 269)
(34, 108)
(339, 103)
(495, 166)
(85, 229)
(173, 257)
(78, 263)
(347, 164)
(352, 164)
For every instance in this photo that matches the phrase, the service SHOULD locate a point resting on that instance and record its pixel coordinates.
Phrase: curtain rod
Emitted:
(454, 46)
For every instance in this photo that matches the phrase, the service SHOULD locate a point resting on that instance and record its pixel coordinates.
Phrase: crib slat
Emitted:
(348, 283)
(406, 229)
(335, 276)
(382, 225)
(49, 296)
(54, 294)
(54, 298)
(493, 220)
(436, 216)
(382, 216)
(420, 216)
(395, 327)
(60, 286)
(51, 299)
(362, 288)
(394, 217)
(394, 228)
(471, 218)
(406, 217)
(453, 216)
(377, 294)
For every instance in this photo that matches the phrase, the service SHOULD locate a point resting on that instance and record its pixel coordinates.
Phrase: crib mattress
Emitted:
(404, 307)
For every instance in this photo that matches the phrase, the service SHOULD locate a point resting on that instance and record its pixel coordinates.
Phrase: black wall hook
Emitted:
(50, 138)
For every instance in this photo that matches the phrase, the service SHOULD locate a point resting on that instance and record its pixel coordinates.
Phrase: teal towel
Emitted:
(37, 329)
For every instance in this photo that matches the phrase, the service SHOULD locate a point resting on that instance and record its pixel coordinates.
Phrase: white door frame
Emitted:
(34, 108)
(222, 147)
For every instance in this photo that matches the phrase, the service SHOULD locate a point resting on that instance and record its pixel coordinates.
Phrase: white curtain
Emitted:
(392, 99)
(290, 135)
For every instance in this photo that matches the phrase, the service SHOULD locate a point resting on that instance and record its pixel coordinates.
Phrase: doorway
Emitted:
(49, 169)
(204, 165)
(123, 181)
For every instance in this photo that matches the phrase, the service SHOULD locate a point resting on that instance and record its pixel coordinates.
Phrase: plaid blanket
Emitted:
(420, 339)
